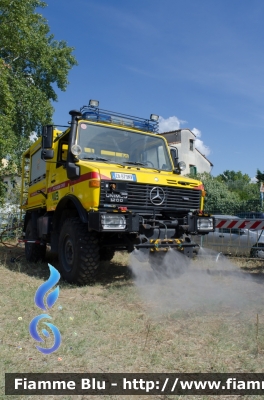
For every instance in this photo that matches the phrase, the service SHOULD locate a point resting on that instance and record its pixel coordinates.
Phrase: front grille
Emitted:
(175, 198)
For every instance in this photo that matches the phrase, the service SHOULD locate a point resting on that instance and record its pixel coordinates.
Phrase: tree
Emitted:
(233, 176)
(222, 197)
(218, 200)
(240, 184)
(31, 63)
(260, 176)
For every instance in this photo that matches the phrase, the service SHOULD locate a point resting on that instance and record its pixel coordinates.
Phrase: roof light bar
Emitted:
(93, 113)
(154, 117)
(94, 103)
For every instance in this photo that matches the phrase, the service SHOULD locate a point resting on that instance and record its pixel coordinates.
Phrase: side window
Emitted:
(191, 144)
(161, 158)
(62, 151)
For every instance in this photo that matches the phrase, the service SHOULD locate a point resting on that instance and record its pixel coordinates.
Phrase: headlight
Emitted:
(181, 165)
(76, 150)
(110, 221)
(205, 224)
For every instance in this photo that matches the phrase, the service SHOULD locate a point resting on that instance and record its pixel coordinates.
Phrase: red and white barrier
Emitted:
(252, 224)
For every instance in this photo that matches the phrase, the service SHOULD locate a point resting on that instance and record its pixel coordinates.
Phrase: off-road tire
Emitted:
(106, 253)
(78, 252)
(254, 252)
(34, 252)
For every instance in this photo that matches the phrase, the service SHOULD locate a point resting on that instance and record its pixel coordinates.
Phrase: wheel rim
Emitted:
(259, 253)
(68, 252)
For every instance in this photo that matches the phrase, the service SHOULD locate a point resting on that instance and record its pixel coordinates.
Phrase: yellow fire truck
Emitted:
(107, 182)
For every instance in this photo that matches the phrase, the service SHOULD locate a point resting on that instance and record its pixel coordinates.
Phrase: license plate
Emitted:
(123, 177)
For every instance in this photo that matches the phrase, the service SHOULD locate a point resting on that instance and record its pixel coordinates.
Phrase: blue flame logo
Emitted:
(50, 301)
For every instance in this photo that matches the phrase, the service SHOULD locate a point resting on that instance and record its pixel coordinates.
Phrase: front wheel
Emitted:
(78, 252)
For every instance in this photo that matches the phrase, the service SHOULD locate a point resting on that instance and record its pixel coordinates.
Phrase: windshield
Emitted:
(103, 143)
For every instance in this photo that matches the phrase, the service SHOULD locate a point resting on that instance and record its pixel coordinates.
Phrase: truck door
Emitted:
(58, 183)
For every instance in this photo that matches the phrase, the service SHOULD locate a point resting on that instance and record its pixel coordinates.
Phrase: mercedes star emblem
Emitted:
(157, 196)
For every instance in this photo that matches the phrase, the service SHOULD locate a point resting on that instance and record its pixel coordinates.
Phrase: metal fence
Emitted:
(235, 237)
(10, 225)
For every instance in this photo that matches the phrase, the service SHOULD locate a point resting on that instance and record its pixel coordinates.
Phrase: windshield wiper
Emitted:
(135, 163)
(102, 159)
(95, 158)
(140, 163)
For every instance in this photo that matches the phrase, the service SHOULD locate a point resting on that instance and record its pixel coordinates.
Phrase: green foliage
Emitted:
(232, 176)
(218, 198)
(229, 193)
(239, 183)
(260, 176)
(32, 63)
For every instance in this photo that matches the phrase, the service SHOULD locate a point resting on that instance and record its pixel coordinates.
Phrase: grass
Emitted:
(111, 327)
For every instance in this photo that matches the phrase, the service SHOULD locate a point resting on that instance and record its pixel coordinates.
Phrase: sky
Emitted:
(197, 64)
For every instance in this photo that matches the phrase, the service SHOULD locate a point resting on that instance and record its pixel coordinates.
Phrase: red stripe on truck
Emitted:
(85, 177)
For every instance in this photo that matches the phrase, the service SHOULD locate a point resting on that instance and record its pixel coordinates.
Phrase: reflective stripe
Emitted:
(84, 177)
(239, 224)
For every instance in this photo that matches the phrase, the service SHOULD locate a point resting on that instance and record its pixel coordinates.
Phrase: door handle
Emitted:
(221, 235)
(53, 180)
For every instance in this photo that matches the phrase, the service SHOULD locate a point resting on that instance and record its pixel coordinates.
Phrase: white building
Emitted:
(184, 141)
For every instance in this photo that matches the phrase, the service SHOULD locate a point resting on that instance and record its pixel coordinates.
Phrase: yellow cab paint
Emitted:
(55, 184)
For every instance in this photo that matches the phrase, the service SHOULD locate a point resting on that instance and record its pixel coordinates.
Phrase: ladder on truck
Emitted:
(25, 180)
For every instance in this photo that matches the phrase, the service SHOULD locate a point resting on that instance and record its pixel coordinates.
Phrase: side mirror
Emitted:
(73, 171)
(47, 154)
(47, 136)
(174, 155)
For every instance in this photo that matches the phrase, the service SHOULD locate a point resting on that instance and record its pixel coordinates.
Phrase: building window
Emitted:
(191, 144)
(193, 170)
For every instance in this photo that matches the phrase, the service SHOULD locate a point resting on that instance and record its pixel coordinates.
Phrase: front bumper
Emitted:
(125, 222)
(128, 222)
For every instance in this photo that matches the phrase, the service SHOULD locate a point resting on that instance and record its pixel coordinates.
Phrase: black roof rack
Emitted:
(110, 117)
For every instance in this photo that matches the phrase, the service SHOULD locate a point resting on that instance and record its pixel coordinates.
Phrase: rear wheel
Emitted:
(33, 251)
(78, 252)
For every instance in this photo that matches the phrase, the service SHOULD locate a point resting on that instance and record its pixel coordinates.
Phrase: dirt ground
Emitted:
(133, 321)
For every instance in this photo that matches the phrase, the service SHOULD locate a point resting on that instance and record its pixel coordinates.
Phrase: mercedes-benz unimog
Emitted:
(107, 182)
